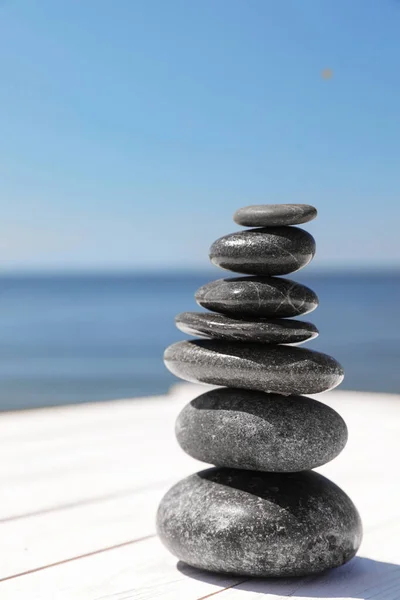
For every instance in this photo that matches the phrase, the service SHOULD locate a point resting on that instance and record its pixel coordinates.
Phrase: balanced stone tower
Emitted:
(261, 511)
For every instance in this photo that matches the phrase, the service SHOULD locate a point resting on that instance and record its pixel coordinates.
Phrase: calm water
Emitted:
(71, 339)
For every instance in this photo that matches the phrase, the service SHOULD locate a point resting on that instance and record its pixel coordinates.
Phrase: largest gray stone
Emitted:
(277, 369)
(257, 296)
(244, 429)
(268, 251)
(259, 524)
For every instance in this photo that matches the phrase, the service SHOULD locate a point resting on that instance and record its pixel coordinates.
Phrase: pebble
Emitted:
(273, 215)
(282, 370)
(222, 327)
(259, 524)
(269, 251)
(257, 296)
(243, 429)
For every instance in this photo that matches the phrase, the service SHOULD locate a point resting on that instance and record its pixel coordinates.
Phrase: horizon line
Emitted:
(209, 270)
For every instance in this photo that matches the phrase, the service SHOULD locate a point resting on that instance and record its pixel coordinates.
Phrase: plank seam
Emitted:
(305, 581)
(93, 500)
(74, 558)
(224, 589)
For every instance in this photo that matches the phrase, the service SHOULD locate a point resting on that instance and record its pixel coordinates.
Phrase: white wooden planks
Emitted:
(50, 537)
(97, 454)
(79, 487)
(143, 571)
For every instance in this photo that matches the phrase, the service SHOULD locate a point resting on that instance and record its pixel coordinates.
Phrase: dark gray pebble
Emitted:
(273, 215)
(257, 296)
(282, 370)
(259, 524)
(269, 251)
(243, 429)
(272, 331)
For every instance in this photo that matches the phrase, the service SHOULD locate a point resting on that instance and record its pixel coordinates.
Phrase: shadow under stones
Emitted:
(360, 579)
(287, 490)
(251, 402)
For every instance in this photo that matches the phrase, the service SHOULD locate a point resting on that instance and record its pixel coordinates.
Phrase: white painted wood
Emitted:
(51, 537)
(144, 571)
(89, 478)
(88, 458)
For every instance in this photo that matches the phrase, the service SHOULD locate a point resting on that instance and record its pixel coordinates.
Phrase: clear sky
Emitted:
(130, 131)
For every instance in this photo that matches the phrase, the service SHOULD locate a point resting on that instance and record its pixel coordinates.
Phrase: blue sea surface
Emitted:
(78, 338)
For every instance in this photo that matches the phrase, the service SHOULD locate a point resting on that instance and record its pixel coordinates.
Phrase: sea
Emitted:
(68, 339)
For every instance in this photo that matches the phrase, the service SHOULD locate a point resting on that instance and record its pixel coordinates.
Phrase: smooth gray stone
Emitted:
(257, 296)
(273, 215)
(259, 524)
(243, 429)
(276, 369)
(269, 251)
(272, 331)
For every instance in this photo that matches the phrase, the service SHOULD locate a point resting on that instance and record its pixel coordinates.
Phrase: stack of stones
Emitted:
(261, 511)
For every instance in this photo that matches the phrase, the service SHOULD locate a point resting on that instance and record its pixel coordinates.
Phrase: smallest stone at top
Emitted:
(274, 215)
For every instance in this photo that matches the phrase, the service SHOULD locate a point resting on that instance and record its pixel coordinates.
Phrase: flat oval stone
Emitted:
(282, 370)
(243, 429)
(268, 251)
(272, 331)
(259, 524)
(257, 296)
(272, 215)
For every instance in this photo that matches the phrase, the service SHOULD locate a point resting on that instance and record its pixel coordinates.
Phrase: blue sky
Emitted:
(130, 131)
